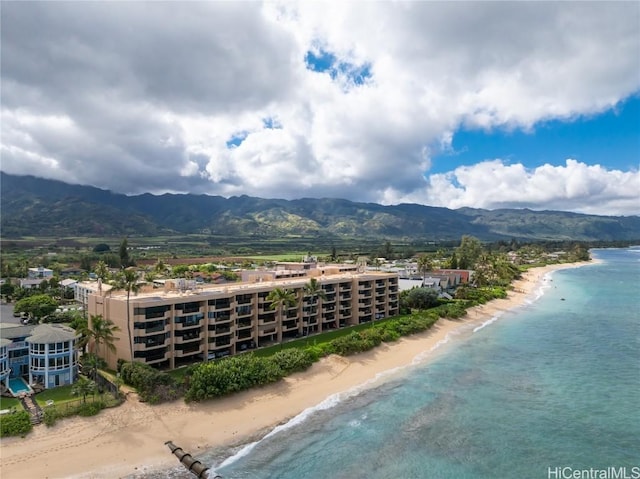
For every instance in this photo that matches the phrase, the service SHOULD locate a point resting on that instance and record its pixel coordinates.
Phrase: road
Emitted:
(6, 314)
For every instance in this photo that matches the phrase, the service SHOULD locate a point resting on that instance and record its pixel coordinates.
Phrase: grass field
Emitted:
(8, 403)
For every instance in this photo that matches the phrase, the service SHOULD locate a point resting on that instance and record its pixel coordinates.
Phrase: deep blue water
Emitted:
(555, 383)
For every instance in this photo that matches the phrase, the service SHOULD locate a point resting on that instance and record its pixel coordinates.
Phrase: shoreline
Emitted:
(130, 439)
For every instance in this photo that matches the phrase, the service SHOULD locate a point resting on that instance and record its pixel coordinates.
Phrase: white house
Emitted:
(40, 272)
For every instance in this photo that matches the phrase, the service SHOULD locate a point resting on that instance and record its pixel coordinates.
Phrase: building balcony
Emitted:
(213, 345)
(244, 334)
(155, 329)
(244, 299)
(219, 305)
(142, 343)
(243, 324)
(289, 325)
(187, 338)
(220, 322)
(267, 331)
(187, 353)
(219, 331)
(242, 311)
(151, 317)
(151, 356)
(186, 326)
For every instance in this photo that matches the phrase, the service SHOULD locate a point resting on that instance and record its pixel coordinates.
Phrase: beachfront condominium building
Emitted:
(184, 322)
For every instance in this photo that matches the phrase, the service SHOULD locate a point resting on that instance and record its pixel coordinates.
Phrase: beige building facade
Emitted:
(183, 323)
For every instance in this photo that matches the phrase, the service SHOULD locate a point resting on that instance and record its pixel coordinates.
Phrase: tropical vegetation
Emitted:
(15, 424)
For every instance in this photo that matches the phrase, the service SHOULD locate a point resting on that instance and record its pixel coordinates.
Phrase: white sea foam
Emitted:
(336, 399)
(487, 323)
(420, 358)
(328, 403)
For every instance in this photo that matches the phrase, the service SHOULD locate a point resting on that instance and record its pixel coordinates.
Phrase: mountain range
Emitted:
(34, 206)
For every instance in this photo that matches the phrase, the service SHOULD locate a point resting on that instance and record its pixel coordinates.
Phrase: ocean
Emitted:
(548, 390)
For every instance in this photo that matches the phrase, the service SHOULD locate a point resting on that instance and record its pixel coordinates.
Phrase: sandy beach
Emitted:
(131, 438)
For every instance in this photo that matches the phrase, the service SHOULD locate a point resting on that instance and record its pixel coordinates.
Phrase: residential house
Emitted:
(45, 354)
(40, 273)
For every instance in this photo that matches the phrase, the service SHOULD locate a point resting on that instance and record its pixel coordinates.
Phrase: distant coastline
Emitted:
(101, 446)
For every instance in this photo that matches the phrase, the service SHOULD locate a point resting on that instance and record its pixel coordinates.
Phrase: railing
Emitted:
(220, 331)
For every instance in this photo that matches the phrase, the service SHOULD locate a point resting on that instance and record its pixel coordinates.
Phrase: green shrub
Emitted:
(90, 408)
(153, 386)
(15, 424)
(51, 415)
(237, 373)
(388, 333)
(293, 360)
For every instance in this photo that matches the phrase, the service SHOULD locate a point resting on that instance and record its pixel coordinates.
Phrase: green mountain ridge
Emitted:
(35, 206)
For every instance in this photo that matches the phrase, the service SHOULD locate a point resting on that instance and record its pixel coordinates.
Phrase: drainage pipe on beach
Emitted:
(194, 466)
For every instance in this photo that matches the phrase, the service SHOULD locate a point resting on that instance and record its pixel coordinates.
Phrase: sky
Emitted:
(480, 104)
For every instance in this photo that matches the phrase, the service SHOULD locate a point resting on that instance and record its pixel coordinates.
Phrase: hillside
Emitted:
(37, 207)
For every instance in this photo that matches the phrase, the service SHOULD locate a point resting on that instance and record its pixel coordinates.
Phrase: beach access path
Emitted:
(131, 438)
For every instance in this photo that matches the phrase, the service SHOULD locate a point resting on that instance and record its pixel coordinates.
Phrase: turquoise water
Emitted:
(553, 384)
(17, 385)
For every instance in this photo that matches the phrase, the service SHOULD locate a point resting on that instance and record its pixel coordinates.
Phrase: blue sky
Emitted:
(611, 139)
(330, 99)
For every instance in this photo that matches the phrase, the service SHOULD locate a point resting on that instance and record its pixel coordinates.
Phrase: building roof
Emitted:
(51, 333)
(4, 342)
(243, 287)
(12, 331)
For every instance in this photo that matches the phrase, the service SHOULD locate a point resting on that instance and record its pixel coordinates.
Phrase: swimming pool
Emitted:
(18, 385)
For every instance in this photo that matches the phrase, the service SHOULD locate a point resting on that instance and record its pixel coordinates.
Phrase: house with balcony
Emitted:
(43, 355)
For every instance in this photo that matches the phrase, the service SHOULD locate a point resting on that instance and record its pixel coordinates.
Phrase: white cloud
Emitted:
(145, 97)
(493, 184)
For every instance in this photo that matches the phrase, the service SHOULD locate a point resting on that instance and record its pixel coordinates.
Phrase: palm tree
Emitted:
(128, 281)
(98, 331)
(424, 265)
(83, 387)
(160, 267)
(313, 290)
(91, 363)
(102, 270)
(81, 325)
(103, 333)
(281, 298)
